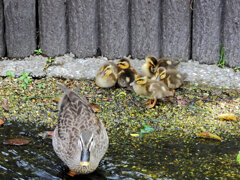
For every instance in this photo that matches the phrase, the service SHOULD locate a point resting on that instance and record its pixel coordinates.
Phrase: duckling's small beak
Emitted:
(102, 73)
(85, 157)
(132, 83)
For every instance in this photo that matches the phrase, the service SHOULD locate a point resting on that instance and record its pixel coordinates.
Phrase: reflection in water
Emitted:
(149, 157)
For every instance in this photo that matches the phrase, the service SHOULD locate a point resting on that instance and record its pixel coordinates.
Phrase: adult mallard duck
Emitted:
(152, 89)
(126, 73)
(148, 68)
(107, 75)
(171, 77)
(80, 138)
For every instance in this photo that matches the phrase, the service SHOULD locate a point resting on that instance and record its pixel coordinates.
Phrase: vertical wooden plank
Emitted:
(114, 28)
(145, 25)
(20, 27)
(176, 22)
(206, 31)
(82, 21)
(2, 42)
(52, 27)
(231, 32)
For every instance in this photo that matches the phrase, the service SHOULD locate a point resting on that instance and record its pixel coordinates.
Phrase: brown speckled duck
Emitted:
(126, 73)
(80, 138)
(107, 75)
(152, 89)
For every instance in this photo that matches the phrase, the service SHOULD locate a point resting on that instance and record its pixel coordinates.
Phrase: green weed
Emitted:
(38, 51)
(222, 60)
(50, 60)
(25, 79)
(10, 74)
(147, 129)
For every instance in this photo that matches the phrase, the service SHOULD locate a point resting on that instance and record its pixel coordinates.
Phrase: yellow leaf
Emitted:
(229, 117)
(209, 136)
(134, 135)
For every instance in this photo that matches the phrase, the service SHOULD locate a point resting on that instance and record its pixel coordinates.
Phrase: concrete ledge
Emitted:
(68, 66)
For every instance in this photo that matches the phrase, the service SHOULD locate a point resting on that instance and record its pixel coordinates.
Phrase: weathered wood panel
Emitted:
(114, 28)
(2, 42)
(206, 31)
(52, 27)
(176, 22)
(145, 28)
(82, 21)
(231, 32)
(20, 27)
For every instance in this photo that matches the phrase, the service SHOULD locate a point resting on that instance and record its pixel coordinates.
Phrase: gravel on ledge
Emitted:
(68, 66)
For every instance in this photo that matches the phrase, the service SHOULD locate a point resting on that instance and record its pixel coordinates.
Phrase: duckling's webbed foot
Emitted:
(72, 173)
(153, 104)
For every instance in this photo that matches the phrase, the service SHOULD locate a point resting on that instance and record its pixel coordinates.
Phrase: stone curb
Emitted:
(68, 66)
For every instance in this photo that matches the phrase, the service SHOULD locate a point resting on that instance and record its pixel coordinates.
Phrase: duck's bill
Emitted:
(85, 157)
(102, 73)
(84, 163)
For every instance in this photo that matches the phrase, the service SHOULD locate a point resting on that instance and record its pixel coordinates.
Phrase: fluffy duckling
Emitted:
(152, 89)
(167, 63)
(171, 77)
(107, 75)
(126, 73)
(148, 68)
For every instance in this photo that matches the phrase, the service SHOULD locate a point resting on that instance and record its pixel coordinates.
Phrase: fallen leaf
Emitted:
(56, 99)
(1, 122)
(5, 105)
(229, 117)
(209, 136)
(134, 135)
(94, 107)
(48, 134)
(17, 141)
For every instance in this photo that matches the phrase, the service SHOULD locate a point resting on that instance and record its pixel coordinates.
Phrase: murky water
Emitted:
(169, 156)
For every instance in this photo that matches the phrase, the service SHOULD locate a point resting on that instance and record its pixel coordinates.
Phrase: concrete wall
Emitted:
(176, 29)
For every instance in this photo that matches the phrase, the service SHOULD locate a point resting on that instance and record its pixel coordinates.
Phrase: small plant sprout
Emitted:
(222, 60)
(38, 51)
(147, 129)
(10, 74)
(50, 60)
(25, 80)
(237, 68)
(180, 59)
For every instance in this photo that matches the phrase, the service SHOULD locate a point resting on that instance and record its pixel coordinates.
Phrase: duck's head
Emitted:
(106, 70)
(123, 63)
(151, 61)
(161, 73)
(140, 80)
(86, 144)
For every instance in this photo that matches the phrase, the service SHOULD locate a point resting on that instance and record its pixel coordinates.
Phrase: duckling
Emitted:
(107, 75)
(126, 73)
(152, 89)
(171, 77)
(148, 68)
(167, 63)
(80, 138)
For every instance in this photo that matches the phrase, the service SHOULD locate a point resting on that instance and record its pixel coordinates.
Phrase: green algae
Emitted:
(172, 150)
